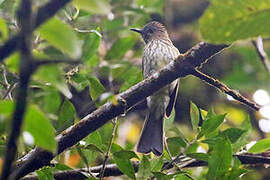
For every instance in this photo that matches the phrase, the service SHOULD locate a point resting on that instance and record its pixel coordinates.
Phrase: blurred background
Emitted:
(112, 63)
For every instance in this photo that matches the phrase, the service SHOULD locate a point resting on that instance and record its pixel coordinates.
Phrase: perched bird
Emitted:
(158, 52)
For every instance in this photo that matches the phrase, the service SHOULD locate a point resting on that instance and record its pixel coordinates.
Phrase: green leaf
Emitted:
(93, 147)
(52, 76)
(61, 36)
(260, 146)
(131, 77)
(182, 177)
(175, 144)
(90, 46)
(156, 164)
(231, 20)
(169, 120)
(12, 62)
(116, 147)
(161, 176)
(66, 115)
(3, 29)
(211, 124)
(233, 134)
(94, 6)
(45, 174)
(122, 159)
(35, 123)
(220, 158)
(199, 156)
(119, 48)
(95, 139)
(40, 128)
(144, 169)
(243, 139)
(96, 88)
(194, 116)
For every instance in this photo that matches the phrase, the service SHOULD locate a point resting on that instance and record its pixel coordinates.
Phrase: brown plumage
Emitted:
(158, 52)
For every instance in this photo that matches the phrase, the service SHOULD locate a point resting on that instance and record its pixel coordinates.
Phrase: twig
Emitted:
(216, 83)
(56, 61)
(10, 89)
(43, 14)
(7, 85)
(181, 67)
(258, 44)
(101, 174)
(24, 15)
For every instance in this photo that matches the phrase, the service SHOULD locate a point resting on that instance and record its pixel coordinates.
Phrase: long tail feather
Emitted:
(152, 135)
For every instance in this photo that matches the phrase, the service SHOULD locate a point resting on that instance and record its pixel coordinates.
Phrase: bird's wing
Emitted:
(173, 94)
(173, 88)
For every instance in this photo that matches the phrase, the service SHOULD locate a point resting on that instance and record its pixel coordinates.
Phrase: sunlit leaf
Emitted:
(194, 116)
(40, 128)
(261, 146)
(61, 36)
(209, 125)
(231, 20)
(90, 46)
(156, 164)
(119, 48)
(94, 6)
(3, 29)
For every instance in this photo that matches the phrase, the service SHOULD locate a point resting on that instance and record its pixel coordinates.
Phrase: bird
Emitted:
(157, 53)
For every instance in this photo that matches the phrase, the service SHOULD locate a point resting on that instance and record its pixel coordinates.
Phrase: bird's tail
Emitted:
(151, 138)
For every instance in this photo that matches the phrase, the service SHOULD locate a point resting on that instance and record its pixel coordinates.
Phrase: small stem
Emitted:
(114, 121)
(10, 89)
(258, 44)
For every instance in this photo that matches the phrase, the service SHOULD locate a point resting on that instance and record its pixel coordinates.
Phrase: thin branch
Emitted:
(178, 68)
(114, 121)
(43, 14)
(258, 44)
(10, 89)
(112, 169)
(6, 84)
(219, 85)
(24, 15)
(42, 62)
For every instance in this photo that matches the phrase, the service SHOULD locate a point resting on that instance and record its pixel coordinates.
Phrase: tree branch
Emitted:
(112, 169)
(181, 67)
(258, 44)
(219, 85)
(43, 14)
(24, 15)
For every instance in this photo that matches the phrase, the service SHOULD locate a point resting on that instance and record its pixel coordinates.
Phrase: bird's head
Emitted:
(151, 31)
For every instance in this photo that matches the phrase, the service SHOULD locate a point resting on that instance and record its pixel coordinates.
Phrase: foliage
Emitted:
(97, 33)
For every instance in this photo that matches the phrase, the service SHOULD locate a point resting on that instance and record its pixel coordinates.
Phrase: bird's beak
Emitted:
(136, 30)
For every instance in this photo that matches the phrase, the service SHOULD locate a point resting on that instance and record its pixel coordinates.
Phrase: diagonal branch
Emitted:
(43, 14)
(181, 67)
(219, 85)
